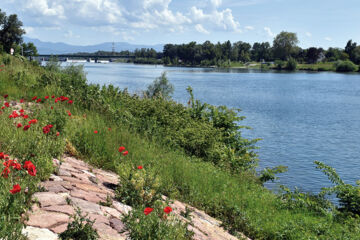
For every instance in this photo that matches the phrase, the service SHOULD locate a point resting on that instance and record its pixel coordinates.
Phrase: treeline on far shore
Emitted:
(283, 54)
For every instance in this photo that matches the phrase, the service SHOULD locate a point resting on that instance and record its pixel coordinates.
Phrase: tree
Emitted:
(29, 49)
(10, 31)
(284, 44)
(313, 54)
(161, 87)
(261, 51)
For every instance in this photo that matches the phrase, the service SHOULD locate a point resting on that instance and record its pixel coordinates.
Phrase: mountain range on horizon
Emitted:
(64, 48)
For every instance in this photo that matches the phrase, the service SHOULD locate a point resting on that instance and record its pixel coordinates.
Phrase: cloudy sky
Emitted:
(317, 22)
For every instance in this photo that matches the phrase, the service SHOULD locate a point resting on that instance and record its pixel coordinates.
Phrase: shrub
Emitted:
(156, 225)
(161, 87)
(81, 228)
(279, 64)
(291, 64)
(345, 66)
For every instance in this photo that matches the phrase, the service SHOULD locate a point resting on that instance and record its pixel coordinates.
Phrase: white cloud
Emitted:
(308, 34)
(269, 32)
(219, 20)
(216, 3)
(70, 34)
(250, 28)
(328, 39)
(201, 29)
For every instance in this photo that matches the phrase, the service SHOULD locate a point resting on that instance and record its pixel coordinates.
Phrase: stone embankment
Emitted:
(78, 185)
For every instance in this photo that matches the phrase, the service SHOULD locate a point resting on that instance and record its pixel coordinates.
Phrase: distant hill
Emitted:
(63, 48)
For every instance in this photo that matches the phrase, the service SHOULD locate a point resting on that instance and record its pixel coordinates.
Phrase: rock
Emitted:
(49, 198)
(34, 233)
(118, 225)
(88, 173)
(67, 209)
(59, 228)
(90, 187)
(45, 219)
(111, 211)
(74, 180)
(106, 232)
(63, 172)
(88, 196)
(55, 178)
(98, 218)
(122, 208)
(94, 180)
(85, 206)
(56, 162)
(56, 186)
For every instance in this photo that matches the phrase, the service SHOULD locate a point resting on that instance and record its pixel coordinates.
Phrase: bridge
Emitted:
(88, 57)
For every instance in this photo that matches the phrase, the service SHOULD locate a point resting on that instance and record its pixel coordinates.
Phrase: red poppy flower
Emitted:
(109, 129)
(19, 125)
(121, 149)
(140, 167)
(35, 97)
(70, 102)
(16, 189)
(125, 153)
(33, 121)
(148, 210)
(5, 96)
(57, 134)
(7, 104)
(46, 129)
(21, 100)
(21, 110)
(27, 164)
(46, 97)
(52, 107)
(69, 113)
(95, 131)
(26, 116)
(52, 96)
(32, 170)
(26, 127)
(39, 100)
(167, 210)
(3, 156)
(3, 107)
(16, 166)
(5, 172)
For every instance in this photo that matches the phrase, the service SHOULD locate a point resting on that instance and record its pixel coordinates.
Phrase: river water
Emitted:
(301, 117)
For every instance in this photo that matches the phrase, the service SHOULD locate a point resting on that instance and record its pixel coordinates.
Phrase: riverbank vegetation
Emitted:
(193, 153)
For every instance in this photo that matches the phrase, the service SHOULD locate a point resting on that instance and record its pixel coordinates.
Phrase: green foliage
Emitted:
(345, 66)
(291, 64)
(161, 87)
(155, 226)
(81, 228)
(138, 186)
(10, 31)
(284, 44)
(279, 64)
(348, 195)
(268, 174)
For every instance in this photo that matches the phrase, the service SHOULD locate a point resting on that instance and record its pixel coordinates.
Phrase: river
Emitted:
(301, 117)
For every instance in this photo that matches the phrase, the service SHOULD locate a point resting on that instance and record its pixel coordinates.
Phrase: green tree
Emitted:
(161, 87)
(284, 44)
(29, 49)
(10, 30)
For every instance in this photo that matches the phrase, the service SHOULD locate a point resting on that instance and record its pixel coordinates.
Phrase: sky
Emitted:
(319, 23)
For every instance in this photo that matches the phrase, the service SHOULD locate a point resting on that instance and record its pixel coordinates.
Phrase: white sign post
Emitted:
(11, 51)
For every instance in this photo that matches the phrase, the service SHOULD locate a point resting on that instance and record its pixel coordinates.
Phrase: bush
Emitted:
(345, 66)
(156, 225)
(291, 64)
(81, 228)
(161, 87)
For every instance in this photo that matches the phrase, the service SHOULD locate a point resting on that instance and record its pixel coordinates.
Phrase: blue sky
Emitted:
(325, 23)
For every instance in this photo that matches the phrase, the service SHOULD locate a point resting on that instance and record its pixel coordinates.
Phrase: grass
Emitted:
(321, 66)
(239, 200)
